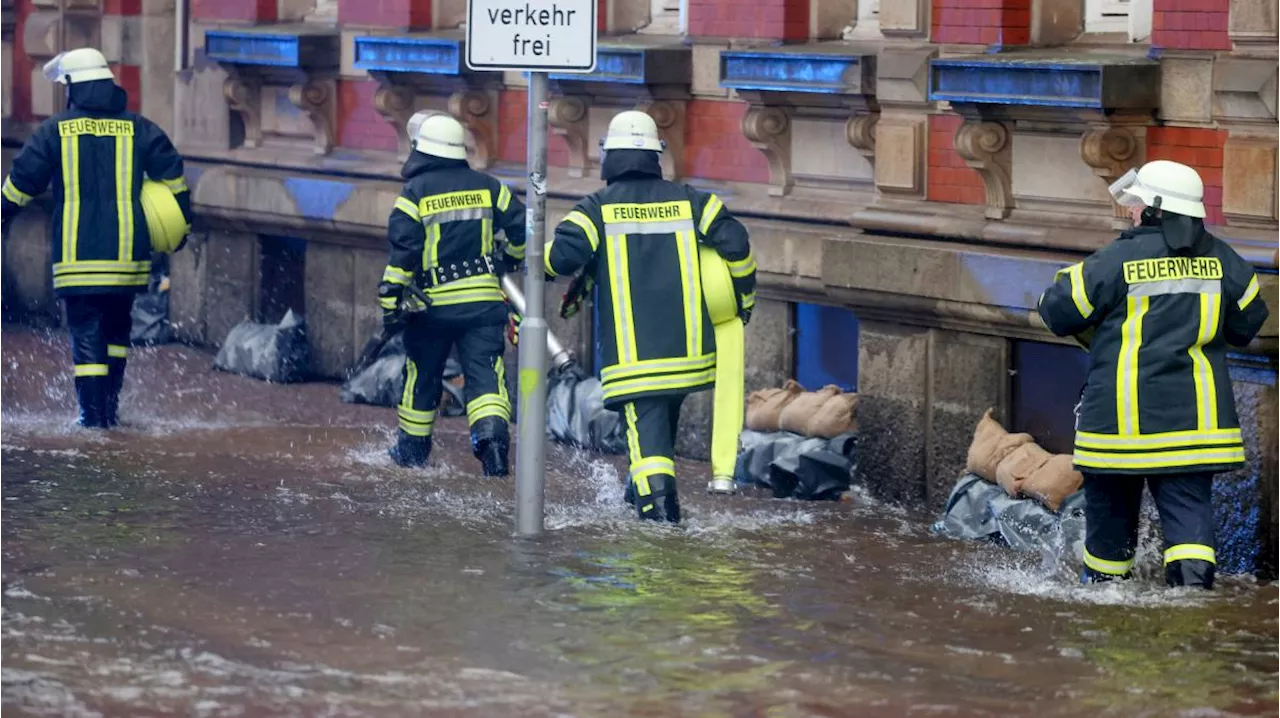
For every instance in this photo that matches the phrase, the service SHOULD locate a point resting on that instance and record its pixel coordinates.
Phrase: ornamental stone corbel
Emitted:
(860, 130)
(669, 116)
(244, 96)
(477, 112)
(1110, 152)
(568, 117)
(986, 147)
(396, 105)
(769, 130)
(317, 99)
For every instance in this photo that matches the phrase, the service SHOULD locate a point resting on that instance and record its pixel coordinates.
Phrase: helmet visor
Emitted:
(1120, 190)
(53, 69)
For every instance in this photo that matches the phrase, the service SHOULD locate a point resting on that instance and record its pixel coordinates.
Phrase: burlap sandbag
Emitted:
(795, 417)
(764, 407)
(991, 444)
(1053, 482)
(1019, 465)
(835, 417)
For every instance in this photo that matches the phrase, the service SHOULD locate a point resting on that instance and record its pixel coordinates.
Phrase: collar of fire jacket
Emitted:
(419, 163)
(98, 96)
(630, 164)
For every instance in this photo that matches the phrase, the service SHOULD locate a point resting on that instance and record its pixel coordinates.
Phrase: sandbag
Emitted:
(382, 382)
(991, 444)
(1019, 465)
(1053, 482)
(764, 407)
(274, 352)
(834, 417)
(795, 417)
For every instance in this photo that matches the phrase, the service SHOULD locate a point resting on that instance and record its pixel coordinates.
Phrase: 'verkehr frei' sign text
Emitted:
(532, 35)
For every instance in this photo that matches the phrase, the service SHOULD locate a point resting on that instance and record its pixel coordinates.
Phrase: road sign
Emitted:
(531, 35)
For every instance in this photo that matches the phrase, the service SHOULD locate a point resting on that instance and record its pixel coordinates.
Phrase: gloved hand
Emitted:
(508, 264)
(514, 319)
(744, 309)
(393, 317)
(579, 289)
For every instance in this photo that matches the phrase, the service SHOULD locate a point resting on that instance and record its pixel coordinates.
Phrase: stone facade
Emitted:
(921, 173)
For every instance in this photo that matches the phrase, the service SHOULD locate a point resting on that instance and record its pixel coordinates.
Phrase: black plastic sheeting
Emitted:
(382, 383)
(150, 315)
(981, 510)
(795, 467)
(274, 352)
(576, 415)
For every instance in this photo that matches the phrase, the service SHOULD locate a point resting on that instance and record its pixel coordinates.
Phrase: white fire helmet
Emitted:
(632, 130)
(1164, 185)
(437, 134)
(83, 65)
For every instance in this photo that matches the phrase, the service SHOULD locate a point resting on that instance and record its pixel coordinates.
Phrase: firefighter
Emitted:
(442, 235)
(96, 153)
(637, 240)
(1157, 309)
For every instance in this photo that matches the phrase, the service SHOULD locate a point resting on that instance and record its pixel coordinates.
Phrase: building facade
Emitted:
(913, 173)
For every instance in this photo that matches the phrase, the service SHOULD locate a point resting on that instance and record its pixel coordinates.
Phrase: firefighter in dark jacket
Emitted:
(96, 154)
(637, 241)
(1157, 309)
(442, 235)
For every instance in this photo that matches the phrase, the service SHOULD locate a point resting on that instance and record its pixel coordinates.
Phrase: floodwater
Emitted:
(242, 549)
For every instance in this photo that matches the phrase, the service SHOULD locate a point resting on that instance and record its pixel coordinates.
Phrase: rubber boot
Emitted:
(490, 443)
(1190, 572)
(1088, 576)
(411, 451)
(91, 392)
(662, 504)
(115, 382)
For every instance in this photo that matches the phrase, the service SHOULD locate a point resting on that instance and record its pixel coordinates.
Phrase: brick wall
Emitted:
(715, 147)
(359, 124)
(1198, 148)
(513, 127)
(985, 22)
(949, 178)
(129, 77)
(385, 13)
(122, 7)
(20, 93)
(1190, 24)
(242, 10)
(773, 19)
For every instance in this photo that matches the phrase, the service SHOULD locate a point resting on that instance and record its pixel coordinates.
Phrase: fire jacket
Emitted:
(442, 236)
(96, 154)
(1158, 397)
(639, 237)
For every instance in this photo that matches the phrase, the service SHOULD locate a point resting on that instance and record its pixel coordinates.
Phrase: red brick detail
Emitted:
(241, 10)
(122, 7)
(21, 67)
(129, 77)
(982, 22)
(714, 146)
(385, 13)
(950, 179)
(602, 16)
(1197, 148)
(359, 124)
(513, 131)
(1191, 24)
(771, 19)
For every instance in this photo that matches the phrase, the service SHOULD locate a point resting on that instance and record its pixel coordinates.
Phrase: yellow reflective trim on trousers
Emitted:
(410, 379)
(1250, 293)
(413, 429)
(652, 466)
(404, 204)
(1127, 365)
(15, 195)
(504, 198)
(646, 367)
(633, 448)
(1102, 565)
(1201, 371)
(588, 228)
(70, 196)
(709, 212)
(679, 381)
(1164, 440)
(1190, 552)
(1158, 460)
(620, 294)
(91, 370)
(487, 400)
(117, 351)
(500, 371)
(415, 415)
(742, 268)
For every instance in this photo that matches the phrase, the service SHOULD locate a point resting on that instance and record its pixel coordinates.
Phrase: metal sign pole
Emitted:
(531, 449)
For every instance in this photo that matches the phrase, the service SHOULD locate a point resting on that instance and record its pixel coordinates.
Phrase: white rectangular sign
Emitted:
(531, 35)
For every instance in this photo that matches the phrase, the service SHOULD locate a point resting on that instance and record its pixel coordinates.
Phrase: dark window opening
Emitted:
(1047, 382)
(281, 278)
(826, 347)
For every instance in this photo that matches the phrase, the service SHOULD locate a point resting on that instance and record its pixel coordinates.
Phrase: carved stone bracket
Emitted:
(317, 99)
(986, 147)
(478, 113)
(769, 130)
(1110, 152)
(568, 117)
(395, 105)
(669, 116)
(244, 96)
(860, 130)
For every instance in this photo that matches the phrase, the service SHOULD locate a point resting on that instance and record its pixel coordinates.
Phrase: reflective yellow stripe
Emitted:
(480, 281)
(410, 379)
(15, 195)
(488, 405)
(1111, 568)
(387, 302)
(515, 252)
(652, 466)
(748, 300)
(431, 252)
(588, 227)
(1127, 366)
(486, 236)
(413, 429)
(1164, 440)
(500, 370)
(743, 267)
(1190, 551)
(177, 186)
(1250, 293)
(404, 204)
(70, 195)
(504, 198)
(690, 292)
(633, 448)
(647, 367)
(124, 196)
(91, 369)
(665, 383)
(90, 266)
(620, 291)
(396, 275)
(477, 295)
(1158, 460)
(100, 279)
(1079, 294)
(1202, 372)
(709, 212)
(117, 351)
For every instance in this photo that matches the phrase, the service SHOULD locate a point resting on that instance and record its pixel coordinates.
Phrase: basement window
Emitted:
(826, 347)
(1047, 381)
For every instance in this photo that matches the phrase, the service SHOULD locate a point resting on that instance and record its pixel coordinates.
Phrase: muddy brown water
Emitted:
(242, 549)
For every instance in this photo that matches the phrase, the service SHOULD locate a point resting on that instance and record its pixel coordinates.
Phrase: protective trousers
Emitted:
(99, 325)
(651, 448)
(1186, 517)
(427, 344)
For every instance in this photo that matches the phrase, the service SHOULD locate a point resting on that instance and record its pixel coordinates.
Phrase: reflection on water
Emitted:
(247, 550)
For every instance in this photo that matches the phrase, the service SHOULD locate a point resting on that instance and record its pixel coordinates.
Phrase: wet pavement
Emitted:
(244, 549)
